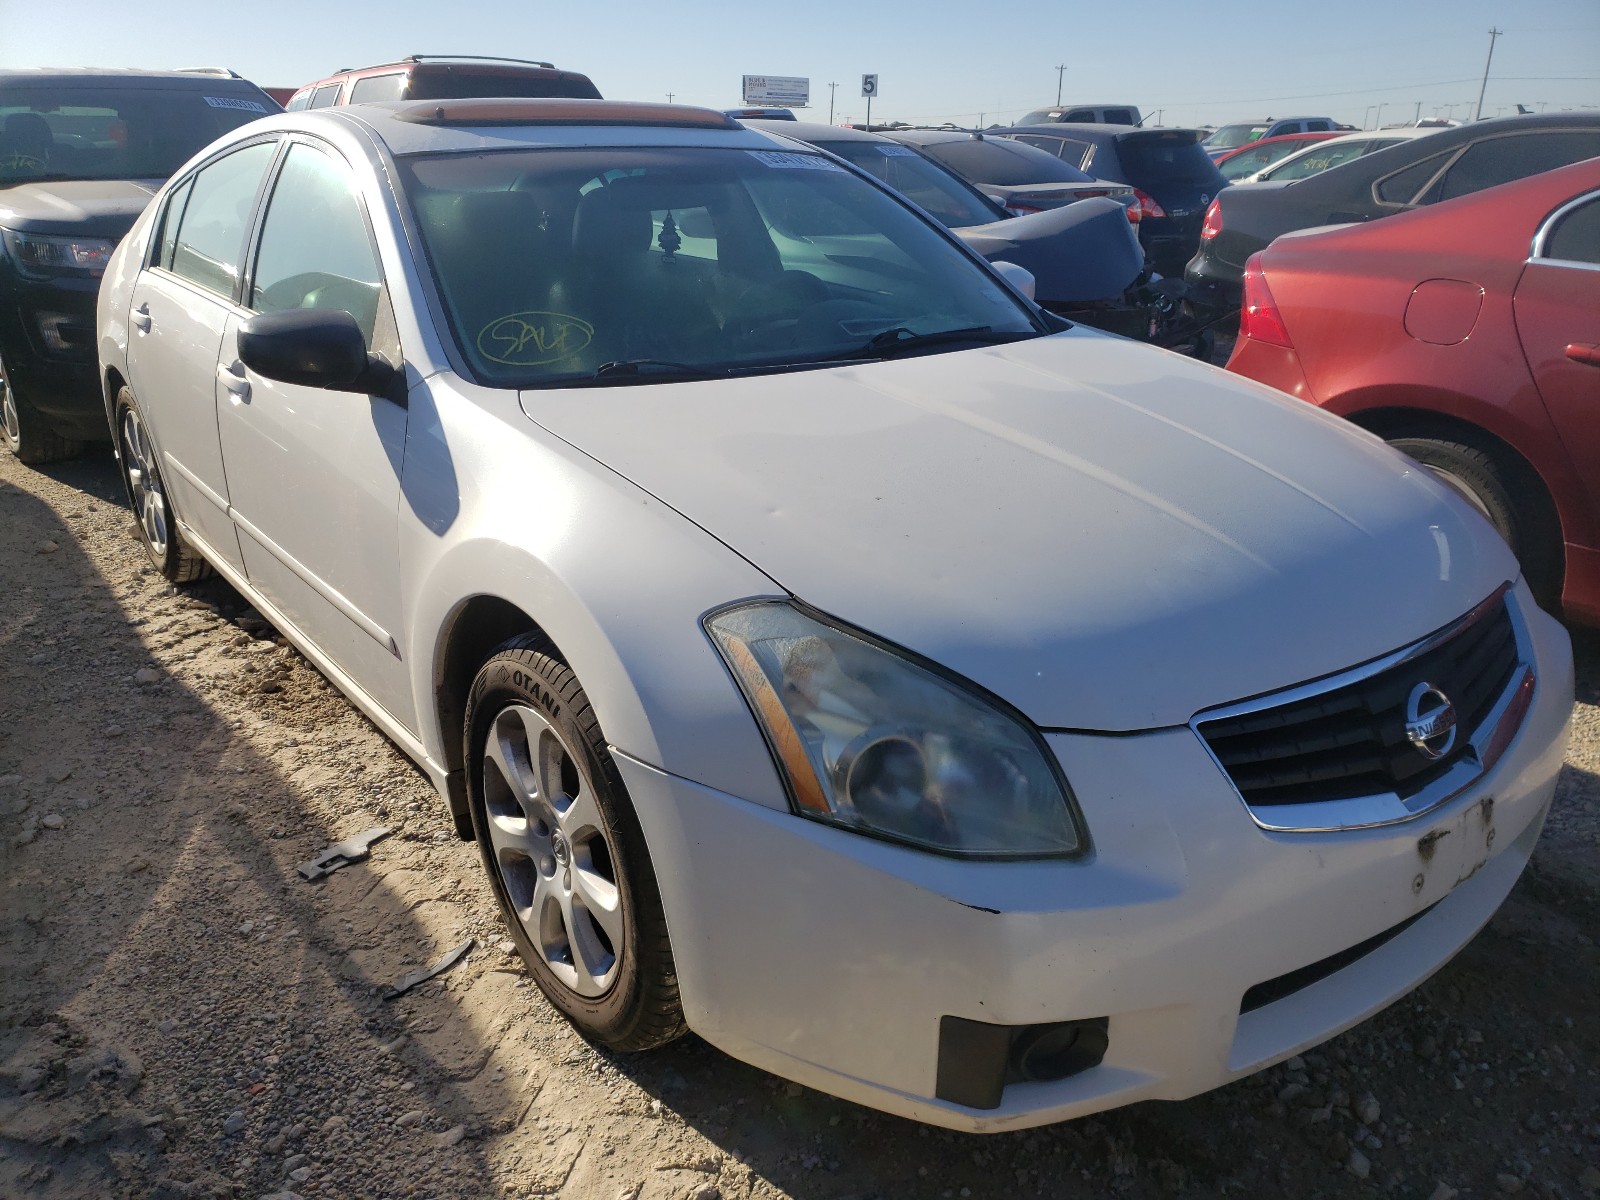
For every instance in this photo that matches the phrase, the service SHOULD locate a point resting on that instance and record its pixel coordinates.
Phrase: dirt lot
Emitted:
(181, 1015)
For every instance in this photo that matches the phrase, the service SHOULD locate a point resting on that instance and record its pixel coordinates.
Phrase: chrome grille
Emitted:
(1339, 754)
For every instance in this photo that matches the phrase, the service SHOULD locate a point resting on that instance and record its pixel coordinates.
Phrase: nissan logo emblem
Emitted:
(1430, 721)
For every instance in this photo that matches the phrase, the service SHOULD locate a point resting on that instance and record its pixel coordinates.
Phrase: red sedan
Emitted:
(1466, 334)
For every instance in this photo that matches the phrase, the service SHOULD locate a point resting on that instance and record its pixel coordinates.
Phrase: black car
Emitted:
(1085, 260)
(1171, 174)
(1452, 162)
(1020, 178)
(81, 153)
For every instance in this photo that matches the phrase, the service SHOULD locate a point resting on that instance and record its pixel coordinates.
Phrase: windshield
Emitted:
(1317, 159)
(114, 133)
(1230, 136)
(1003, 162)
(559, 266)
(927, 183)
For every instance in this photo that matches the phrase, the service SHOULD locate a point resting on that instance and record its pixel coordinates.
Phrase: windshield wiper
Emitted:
(900, 339)
(621, 370)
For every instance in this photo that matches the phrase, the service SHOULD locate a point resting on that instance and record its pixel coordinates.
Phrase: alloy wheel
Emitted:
(144, 482)
(8, 410)
(553, 850)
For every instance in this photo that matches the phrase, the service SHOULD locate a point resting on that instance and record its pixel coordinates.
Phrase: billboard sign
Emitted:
(786, 90)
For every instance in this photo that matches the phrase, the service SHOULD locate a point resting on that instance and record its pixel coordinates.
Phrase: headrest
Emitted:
(612, 220)
(28, 131)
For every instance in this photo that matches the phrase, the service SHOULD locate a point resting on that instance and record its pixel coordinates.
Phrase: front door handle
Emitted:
(141, 318)
(1585, 353)
(232, 378)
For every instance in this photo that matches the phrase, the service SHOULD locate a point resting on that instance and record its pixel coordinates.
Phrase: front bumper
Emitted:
(47, 339)
(830, 958)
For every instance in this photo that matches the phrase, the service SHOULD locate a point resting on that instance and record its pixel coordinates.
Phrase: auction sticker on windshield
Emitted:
(231, 102)
(802, 162)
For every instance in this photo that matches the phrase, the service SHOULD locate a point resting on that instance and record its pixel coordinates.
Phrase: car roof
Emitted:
(1086, 132)
(816, 131)
(494, 123)
(121, 76)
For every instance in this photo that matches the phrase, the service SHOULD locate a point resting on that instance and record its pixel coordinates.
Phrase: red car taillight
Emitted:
(1147, 204)
(1213, 222)
(1259, 318)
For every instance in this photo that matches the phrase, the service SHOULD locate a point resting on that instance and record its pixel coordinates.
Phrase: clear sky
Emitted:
(1201, 61)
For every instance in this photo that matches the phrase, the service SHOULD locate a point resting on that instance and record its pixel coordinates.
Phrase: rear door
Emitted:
(1557, 306)
(181, 303)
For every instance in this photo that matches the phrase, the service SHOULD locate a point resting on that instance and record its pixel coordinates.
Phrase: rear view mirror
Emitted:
(317, 347)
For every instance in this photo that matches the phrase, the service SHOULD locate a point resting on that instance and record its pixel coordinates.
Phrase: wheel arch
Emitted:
(658, 688)
(472, 631)
(1391, 421)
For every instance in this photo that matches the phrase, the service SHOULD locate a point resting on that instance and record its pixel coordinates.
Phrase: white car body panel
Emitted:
(829, 958)
(1056, 519)
(1109, 537)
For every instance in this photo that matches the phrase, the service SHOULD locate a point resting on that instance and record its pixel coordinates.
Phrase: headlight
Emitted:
(39, 256)
(871, 740)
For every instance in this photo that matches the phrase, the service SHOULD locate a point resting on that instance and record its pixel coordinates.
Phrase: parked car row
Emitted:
(994, 680)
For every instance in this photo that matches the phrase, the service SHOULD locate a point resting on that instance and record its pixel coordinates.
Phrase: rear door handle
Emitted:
(1585, 353)
(141, 318)
(233, 379)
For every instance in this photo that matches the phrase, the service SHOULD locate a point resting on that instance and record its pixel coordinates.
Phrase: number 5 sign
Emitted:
(869, 86)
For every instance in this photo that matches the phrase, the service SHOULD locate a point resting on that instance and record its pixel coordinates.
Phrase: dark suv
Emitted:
(81, 153)
(1169, 172)
(444, 77)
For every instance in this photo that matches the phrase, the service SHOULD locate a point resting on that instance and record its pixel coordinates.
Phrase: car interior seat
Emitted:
(642, 301)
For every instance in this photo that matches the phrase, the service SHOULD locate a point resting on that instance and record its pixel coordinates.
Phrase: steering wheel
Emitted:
(770, 311)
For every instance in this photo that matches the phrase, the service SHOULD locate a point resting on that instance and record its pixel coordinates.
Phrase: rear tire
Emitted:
(1502, 490)
(28, 435)
(564, 851)
(171, 555)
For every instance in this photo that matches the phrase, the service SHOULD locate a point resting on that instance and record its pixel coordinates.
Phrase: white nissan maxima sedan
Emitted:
(977, 717)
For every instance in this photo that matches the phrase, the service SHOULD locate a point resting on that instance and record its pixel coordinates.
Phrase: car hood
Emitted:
(1085, 251)
(1108, 536)
(94, 207)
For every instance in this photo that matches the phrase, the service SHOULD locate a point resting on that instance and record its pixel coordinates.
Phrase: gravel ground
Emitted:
(181, 1015)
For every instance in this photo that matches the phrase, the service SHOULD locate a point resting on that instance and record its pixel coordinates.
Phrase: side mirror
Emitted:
(315, 347)
(1019, 278)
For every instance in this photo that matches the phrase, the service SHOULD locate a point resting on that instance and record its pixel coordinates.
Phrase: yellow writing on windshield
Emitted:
(531, 339)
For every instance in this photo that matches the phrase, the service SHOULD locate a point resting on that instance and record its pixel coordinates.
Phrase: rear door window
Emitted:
(211, 233)
(325, 95)
(1574, 236)
(1403, 185)
(1500, 160)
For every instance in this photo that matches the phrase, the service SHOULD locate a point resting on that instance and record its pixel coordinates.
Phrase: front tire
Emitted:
(564, 851)
(172, 556)
(1502, 491)
(28, 435)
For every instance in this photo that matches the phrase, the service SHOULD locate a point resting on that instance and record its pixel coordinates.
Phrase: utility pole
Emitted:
(670, 95)
(1061, 69)
(832, 87)
(1493, 33)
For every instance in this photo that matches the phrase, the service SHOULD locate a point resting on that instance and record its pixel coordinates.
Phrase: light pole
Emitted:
(832, 87)
(1493, 33)
(1378, 123)
(1367, 116)
(1061, 69)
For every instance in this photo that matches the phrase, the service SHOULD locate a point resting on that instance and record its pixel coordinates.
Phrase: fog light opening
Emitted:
(1045, 1053)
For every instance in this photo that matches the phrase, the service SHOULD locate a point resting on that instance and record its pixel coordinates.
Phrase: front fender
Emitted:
(616, 579)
